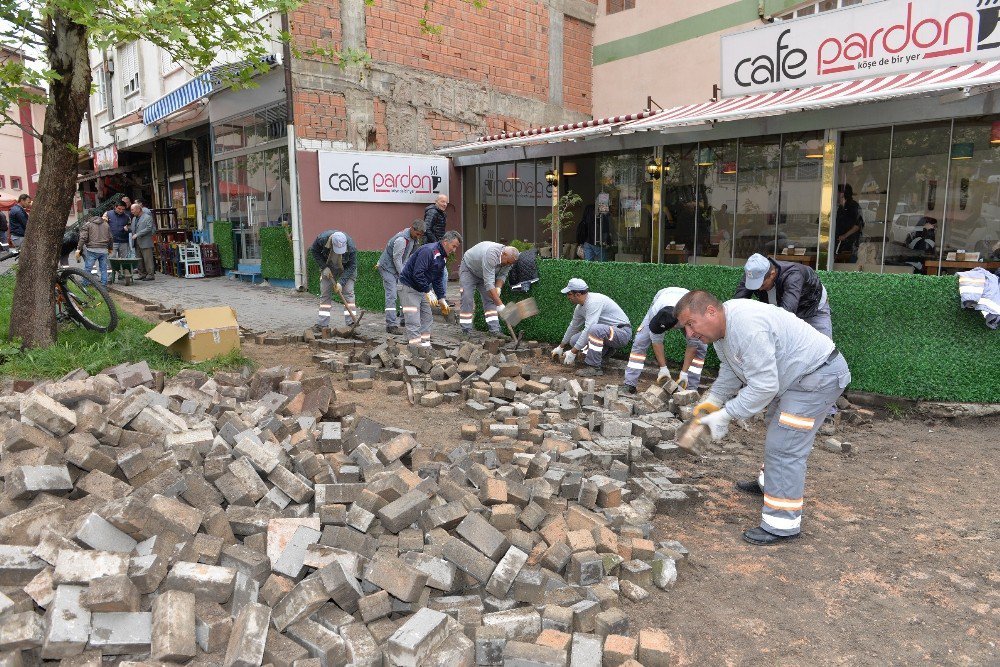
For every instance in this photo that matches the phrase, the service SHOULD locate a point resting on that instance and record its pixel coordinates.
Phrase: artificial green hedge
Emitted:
(903, 335)
(222, 237)
(276, 260)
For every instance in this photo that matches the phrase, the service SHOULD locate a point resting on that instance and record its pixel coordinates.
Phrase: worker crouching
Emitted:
(598, 328)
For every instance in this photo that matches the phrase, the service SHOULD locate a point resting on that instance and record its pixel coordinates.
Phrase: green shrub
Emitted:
(276, 259)
(222, 236)
(903, 335)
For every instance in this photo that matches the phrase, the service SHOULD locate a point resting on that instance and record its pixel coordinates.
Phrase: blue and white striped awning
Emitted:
(192, 91)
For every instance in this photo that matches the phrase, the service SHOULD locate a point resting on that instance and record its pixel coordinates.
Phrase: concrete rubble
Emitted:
(258, 519)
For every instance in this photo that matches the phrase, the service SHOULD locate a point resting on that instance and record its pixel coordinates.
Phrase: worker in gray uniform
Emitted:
(659, 319)
(391, 263)
(770, 360)
(599, 326)
(336, 253)
(484, 267)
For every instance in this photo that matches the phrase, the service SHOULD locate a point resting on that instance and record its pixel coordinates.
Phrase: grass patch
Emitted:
(77, 347)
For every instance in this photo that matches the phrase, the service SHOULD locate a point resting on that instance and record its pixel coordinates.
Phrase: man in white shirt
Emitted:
(599, 326)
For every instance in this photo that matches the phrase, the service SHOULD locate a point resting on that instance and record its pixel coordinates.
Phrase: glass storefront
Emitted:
(251, 176)
(920, 198)
(503, 202)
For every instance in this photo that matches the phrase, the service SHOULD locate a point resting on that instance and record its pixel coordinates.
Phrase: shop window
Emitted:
(971, 214)
(715, 213)
(863, 174)
(800, 193)
(810, 8)
(15, 183)
(625, 201)
(3, 182)
(615, 6)
(757, 224)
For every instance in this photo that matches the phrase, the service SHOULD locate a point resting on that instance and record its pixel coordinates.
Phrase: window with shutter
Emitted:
(167, 63)
(127, 70)
(100, 89)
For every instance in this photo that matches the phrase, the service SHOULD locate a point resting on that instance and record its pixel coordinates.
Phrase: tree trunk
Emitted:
(32, 316)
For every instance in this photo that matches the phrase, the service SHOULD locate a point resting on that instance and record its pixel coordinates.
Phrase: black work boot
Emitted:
(761, 538)
(750, 486)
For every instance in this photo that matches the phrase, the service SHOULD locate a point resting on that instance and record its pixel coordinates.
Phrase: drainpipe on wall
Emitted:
(298, 258)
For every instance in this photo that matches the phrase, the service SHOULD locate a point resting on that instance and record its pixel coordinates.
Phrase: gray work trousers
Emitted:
(326, 301)
(601, 340)
(390, 283)
(468, 284)
(123, 250)
(793, 420)
(419, 318)
(822, 321)
(640, 348)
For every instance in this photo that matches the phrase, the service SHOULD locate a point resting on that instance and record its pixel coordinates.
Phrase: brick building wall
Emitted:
(578, 71)
(523, 62)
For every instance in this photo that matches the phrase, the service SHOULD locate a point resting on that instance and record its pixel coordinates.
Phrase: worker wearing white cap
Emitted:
(599, 326)
(484, 268)
(769, 360)
(336, 254)
(789, 285)
(660, 319)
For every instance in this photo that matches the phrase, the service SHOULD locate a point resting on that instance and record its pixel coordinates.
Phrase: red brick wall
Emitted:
(505, 44)
(578, 73)
(321, 115)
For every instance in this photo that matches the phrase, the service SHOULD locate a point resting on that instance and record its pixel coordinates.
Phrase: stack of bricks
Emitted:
(258, 519)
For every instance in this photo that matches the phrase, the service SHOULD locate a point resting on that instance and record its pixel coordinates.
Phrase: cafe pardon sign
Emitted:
(858, 42)
(381, 177)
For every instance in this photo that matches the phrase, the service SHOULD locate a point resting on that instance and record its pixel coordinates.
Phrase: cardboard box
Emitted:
(210, 332)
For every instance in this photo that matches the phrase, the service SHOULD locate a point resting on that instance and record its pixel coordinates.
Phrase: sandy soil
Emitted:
(898, 562)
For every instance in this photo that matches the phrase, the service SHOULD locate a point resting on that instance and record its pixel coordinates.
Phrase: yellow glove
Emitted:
(337, 288)
(327, 273)
(445, 308)
(79, 255)
(706, 407)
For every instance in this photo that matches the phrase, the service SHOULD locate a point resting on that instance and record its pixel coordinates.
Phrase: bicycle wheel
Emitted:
(86, 300)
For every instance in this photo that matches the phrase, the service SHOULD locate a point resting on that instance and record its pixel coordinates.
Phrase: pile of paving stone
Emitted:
(258, 519)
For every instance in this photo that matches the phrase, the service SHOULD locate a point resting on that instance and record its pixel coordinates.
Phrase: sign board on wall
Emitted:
(889, 37)
(106, 158)
(503, 185)
(381, 177)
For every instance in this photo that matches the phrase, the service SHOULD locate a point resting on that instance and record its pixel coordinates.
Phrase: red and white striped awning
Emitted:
(752, 106)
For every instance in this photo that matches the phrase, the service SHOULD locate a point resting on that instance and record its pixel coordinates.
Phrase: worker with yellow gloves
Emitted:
(422, 286)
(660, 319)
(770, 360)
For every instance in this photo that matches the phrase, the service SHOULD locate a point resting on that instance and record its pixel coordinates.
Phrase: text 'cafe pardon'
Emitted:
(357, 181)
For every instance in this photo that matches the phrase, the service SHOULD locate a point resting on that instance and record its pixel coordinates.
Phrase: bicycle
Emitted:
(80, 298)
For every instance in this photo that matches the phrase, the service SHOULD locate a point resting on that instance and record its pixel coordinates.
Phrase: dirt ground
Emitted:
(897, 563)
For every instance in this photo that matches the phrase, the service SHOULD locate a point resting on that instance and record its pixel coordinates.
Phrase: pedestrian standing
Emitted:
(18, 225)
(118, 221)
(142, 228)
(599, 326)
(390, 264)
(422, 286)
(336, 253)
(660, 319)
(436, 218)
(770, 360)
(484, 268)
(95, 244)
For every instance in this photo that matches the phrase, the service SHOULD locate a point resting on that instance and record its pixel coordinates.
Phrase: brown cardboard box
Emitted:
(210, 332)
